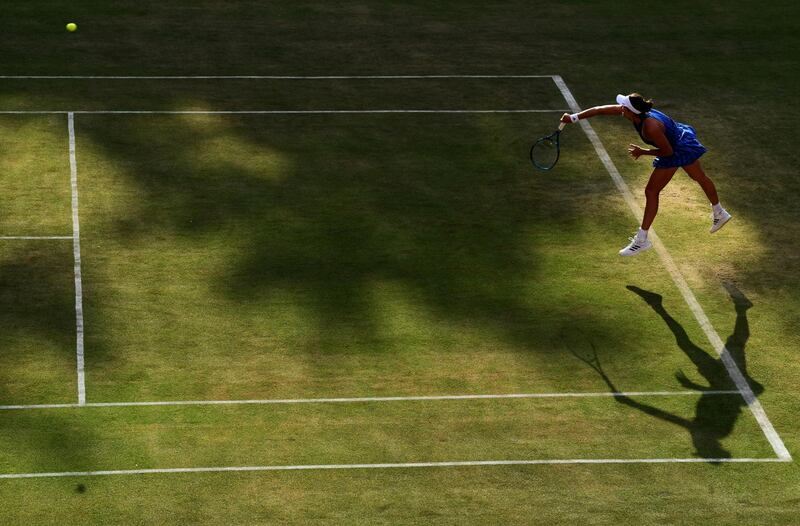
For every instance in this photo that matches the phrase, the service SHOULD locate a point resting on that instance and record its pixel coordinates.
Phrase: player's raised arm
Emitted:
(609, 109)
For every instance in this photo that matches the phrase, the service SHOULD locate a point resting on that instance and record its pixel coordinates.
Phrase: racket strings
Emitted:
(544, 153)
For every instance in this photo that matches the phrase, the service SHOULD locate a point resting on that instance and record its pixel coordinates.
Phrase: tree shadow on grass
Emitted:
(444, 216)
(234, 237)
(715, 414)
(37, 346)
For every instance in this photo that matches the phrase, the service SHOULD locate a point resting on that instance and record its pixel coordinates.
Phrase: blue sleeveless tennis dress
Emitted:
(686, 149)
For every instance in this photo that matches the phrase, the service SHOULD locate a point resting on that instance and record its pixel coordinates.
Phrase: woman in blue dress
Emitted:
(675, 146)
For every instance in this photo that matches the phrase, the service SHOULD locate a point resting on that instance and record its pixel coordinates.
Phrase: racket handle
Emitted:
(561, 126)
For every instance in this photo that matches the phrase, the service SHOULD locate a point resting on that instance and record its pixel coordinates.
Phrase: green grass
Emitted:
(333, 263)
(254, 256)
(37, 344)
(155, 437)
(36, 196)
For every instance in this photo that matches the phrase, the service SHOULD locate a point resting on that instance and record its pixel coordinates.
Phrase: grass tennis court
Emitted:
(333, 290)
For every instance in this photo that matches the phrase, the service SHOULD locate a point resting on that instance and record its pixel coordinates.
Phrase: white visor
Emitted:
(624, 100)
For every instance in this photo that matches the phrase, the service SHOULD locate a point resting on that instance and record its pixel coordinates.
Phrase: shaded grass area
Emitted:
(37, 343)
(280, 94)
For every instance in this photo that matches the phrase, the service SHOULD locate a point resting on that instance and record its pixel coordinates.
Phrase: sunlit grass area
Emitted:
(35, 200)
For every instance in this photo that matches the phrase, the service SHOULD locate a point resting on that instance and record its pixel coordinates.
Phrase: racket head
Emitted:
(544, 152)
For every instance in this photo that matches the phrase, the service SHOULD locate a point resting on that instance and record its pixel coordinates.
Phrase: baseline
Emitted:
(370, 399)
(467, 463)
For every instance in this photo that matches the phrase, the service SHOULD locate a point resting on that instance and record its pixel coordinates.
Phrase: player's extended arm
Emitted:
(611, 109)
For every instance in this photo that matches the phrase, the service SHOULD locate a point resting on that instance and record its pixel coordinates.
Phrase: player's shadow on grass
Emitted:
(715, 414)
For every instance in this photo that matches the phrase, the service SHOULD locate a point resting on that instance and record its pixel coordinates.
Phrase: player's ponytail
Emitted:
(640, 103)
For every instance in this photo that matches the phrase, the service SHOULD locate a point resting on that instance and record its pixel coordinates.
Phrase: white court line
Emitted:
(370, 399)
(406, 465)
(258, 112)
(76, 251)
(36, 237)
(733, 370)
(270, 77)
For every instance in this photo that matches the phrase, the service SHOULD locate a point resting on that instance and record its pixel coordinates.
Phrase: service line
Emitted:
(269, 112)
(266, 77)
(36, 237)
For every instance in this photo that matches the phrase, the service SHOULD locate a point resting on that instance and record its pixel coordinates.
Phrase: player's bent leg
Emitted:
(719, 216)
(695, 171)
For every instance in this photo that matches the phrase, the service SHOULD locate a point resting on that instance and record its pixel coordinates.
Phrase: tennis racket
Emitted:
(545, 151)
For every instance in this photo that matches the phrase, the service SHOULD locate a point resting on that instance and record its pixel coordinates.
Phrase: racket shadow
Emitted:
(715, 415)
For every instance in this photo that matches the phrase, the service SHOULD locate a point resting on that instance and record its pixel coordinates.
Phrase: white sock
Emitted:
(717, 208)
(641, 235)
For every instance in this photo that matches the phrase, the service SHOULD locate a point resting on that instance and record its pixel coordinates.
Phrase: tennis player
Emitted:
(675, 146)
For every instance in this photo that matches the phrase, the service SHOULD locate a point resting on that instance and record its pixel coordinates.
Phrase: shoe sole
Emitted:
(719, 227)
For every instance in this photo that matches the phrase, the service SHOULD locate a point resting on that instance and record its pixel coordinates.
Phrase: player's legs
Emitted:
(658, 180)
(719, 216)
(696, 172)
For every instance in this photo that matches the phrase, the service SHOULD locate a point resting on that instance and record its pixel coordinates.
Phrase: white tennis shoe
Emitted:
(636, 245)
(718, 220)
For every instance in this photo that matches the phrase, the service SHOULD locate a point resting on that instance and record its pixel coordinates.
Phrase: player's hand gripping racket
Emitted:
(545, 151)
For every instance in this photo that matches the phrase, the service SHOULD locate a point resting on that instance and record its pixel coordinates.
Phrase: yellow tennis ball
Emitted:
(71, 27)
